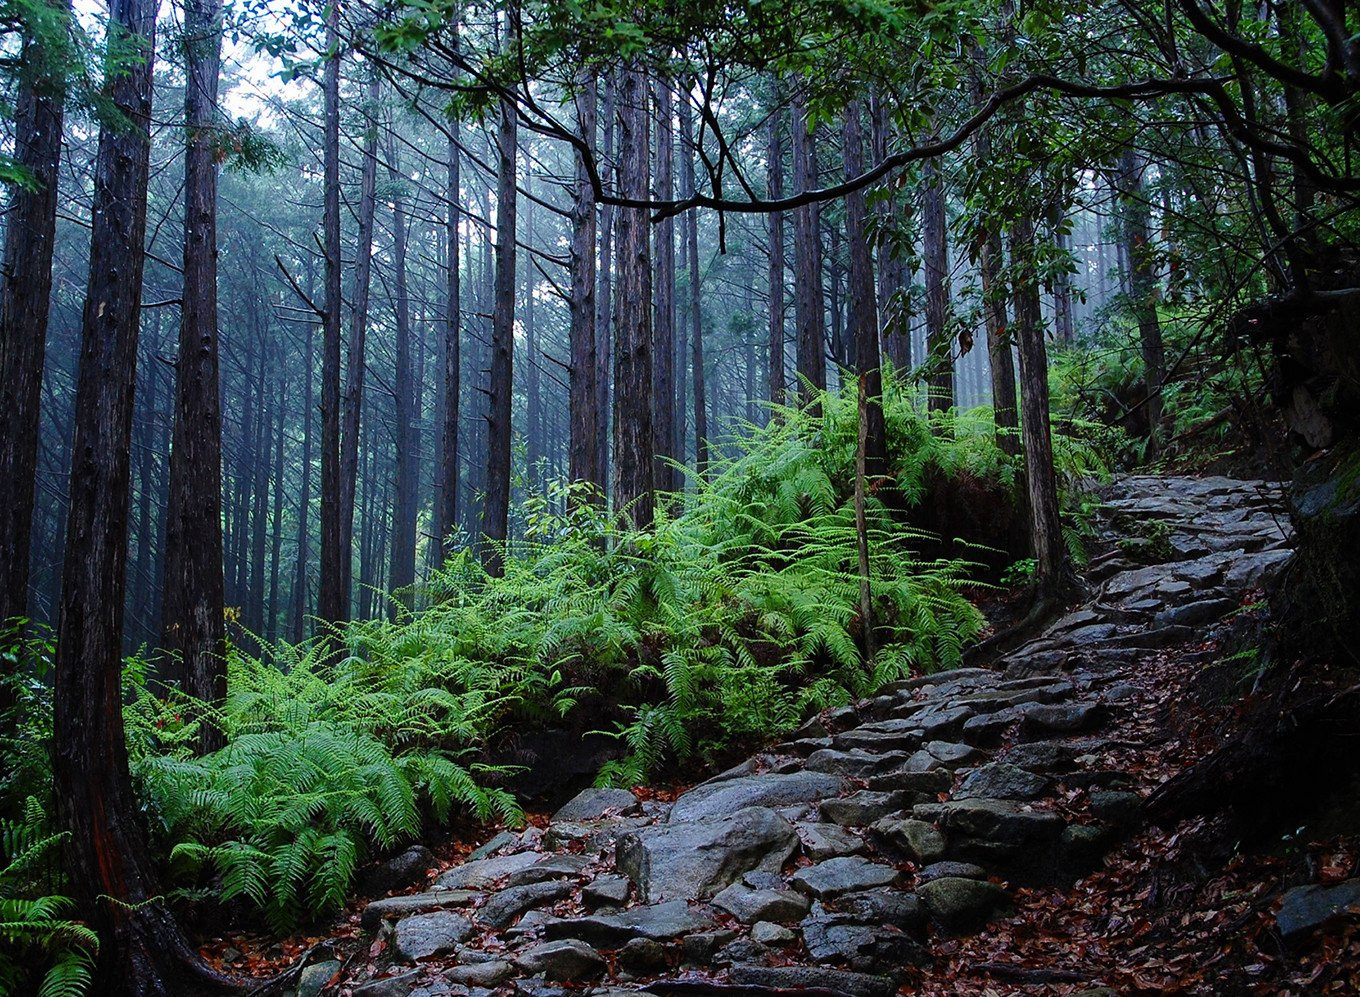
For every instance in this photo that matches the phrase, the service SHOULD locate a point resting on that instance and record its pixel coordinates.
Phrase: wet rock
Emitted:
(422, 935)
(918, 840)
(658, 921)
(1116, 806)
(394, 907)
(863, 808)
(1002, 822)
(825, 841)
(988, 728)
(316, 976)
(549, 867)
(1043, 756)
(700, 947)
(743, 950)
(951, 752)
(929, 783)
(837, 938)
(593, 804)
(1003, 781)
(881, 907)
(806, 977)
(1081, 847)
(642, 957)
(1063, 718)
(881, 738)
(697, 859)
(605, 891)
(592, 835)
(958, 905)
(480, 974)
(940, 724)
(769, 933)
(959, 870)
(399, 871)
(393, 986)
(485, 873)
(719, 799)
(502, 839)
(509, 904)
(856, 762)
(1307, 908)
(848, 874)
(748, 905)
(567, 959)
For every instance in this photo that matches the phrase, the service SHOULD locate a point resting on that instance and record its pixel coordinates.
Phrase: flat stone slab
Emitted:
(999, 780)
(656, 921)
(718, 799)
(695, 860)
(485, 873)
(592, 804)
(422, 935)
(509, 904)
(809, 977)
(1306, 908)
(549, 867)
(848, 874)
(564, 959)
(749, 905)
(395, 907)
(826, 841)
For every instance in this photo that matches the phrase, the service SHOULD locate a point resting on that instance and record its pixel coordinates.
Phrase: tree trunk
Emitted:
(30, 226)
(355, 365)
(446, 519)
(663, 290)
(1052, 576)
(276, 519)
(808, 305)
(298, 628)
(584, 401)
(534, 475)
(604, 317)
(633, 448)
(696, 315)
(774, 181)
(894, 317)
(403, 568)
(333, 597)
(1142, 284)
(142, 949)
(495, 518)
(935, 237)
(862, 311)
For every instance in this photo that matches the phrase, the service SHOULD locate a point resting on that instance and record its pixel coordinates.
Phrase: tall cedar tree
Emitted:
(402, 569)
(355, 367)
(1142, 283)
(774, 182)
(191, 616)
(142, 950)
(935, 237)
(604, 298)
(696, 315)
(30, 226)
(333, 597)
(893, 279)
(663, 291)
(808, 300)
(583, 460)
(496, 515)
(633, 447)
(447, 518)
(863, 311)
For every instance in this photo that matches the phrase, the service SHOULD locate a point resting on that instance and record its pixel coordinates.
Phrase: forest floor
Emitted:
(982, 831)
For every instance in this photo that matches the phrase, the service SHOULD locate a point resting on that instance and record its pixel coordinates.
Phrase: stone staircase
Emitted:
(834, 861)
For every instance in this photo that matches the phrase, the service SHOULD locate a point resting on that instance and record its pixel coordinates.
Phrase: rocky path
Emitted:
(847, 859)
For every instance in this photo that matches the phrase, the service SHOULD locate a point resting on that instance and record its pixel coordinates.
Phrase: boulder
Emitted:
(958, 906)
(863, 947)
(863, 808)
(509, 904)
(479, 974)
(748, 905)
(422, 935)
(566, 959)
(642, 956)
(718, 799)
(316, 976)
(808, 977)
(695, 860)
(399, 871)
(951, 752)
(769, 933)
(1063, 718)
(855, 762)
(847, 874)
(593, 804)
(881, 907)
(605, 891)
(1002, 781)
(657, 921)
(918, 840)
(1306, 908)
(1118, 807)
(825, 841)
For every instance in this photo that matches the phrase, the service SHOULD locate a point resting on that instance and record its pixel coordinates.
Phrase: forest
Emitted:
(713, 499)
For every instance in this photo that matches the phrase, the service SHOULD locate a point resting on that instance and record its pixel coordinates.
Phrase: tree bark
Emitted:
(142, 949)
(894, 317)
(940, 384)
(298, 615)
(1142, 284)
(402, 571)
(774, 182)
(495, 518)
(1053, 575)
(333, 597)
(30, 227)
(276, 523)
(862, 310)
(633, 446)
(447, 518)
(604, 298)
(696, 314)
(808, 305)
(663, 290)
(584, 396)
(355, 361)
